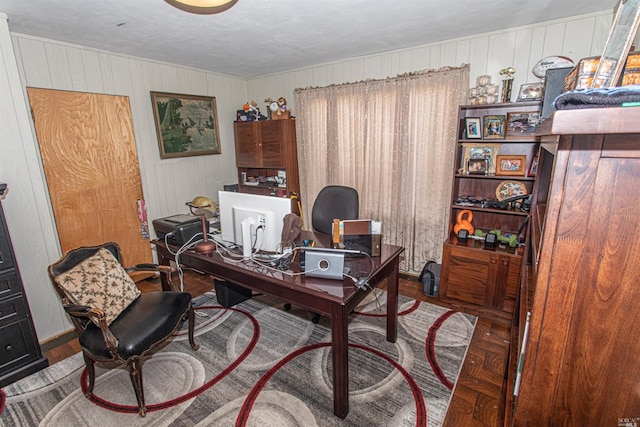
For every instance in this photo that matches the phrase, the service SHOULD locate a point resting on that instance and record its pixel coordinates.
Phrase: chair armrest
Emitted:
(84, 311)
(167, 270)
(98, 317)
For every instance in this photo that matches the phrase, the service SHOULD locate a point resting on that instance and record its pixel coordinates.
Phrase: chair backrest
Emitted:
(94, 278)
(334, 202)
(75, 257)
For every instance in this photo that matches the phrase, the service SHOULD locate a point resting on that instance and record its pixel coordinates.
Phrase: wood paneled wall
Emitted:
(168, 184)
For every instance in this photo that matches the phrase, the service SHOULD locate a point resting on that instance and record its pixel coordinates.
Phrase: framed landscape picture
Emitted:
(186, 125)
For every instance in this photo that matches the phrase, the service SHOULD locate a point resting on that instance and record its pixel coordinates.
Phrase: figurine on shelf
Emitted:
(250, 113)
(278, 109)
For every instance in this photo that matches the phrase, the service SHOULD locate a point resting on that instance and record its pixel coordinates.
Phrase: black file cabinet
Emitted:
(20, 353)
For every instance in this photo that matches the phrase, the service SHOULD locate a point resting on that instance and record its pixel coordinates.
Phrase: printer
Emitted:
(179, 228)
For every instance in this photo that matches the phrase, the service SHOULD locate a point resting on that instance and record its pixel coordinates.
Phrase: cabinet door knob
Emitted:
(9, 348)
(494, 260)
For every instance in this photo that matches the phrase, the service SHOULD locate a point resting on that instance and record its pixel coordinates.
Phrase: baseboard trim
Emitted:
(58, 340)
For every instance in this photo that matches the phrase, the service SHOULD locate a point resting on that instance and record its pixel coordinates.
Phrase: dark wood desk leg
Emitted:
(392, 304)
(340, 349)
(163, 261)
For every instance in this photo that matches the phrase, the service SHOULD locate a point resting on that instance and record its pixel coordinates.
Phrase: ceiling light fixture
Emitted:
(203, 7)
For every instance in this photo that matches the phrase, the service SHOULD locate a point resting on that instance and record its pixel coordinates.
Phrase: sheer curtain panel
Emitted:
(393, 140)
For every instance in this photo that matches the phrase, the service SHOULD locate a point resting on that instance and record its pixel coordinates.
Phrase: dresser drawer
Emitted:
(9, 283)
(6, 251)
(17, 346)
(13, 310)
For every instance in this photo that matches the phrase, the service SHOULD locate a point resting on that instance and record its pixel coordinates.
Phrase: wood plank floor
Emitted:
(478, 399)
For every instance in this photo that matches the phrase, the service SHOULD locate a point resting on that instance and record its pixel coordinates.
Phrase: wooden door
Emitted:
(91, 166)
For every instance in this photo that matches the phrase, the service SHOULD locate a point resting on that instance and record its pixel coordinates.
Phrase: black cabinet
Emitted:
(20, 353)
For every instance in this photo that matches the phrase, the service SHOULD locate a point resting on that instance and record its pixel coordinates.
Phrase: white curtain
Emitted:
(394, 141)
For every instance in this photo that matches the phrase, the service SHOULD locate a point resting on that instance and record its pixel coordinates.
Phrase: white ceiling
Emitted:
(258, 37)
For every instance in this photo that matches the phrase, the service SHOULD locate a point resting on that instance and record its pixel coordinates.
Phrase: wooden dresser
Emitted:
(20, 353)
(582, 358)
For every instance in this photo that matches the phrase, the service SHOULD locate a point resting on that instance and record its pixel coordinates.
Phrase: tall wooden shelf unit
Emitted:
(581, 357)
(471, 273)
(20, 353)
(265, 148)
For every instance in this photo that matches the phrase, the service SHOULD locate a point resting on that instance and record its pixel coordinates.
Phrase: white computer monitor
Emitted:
(252, 221)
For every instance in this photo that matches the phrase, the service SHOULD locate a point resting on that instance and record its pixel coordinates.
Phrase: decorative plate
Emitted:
(508, 189)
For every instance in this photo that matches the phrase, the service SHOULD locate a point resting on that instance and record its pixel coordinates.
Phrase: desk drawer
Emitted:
(9, 283)
(13, 310)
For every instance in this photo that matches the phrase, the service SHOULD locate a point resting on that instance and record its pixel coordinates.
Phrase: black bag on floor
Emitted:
(430, 278)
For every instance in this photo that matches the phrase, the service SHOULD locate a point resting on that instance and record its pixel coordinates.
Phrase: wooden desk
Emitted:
(332, 298)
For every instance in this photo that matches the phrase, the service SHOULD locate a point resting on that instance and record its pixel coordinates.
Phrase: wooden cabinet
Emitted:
(20, 353)
(470, 273)
(266, 150)
(581, 361)
(480, 276)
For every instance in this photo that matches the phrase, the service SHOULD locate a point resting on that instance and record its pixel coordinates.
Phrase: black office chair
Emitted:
(334, 202)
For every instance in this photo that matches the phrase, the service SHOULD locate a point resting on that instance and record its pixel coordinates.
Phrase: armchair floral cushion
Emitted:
(101, 282)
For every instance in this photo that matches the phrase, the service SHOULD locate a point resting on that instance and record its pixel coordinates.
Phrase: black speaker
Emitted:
(553, 85)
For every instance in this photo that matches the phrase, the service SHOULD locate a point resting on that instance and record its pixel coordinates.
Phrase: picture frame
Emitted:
(477, 166)
(533, 167)
(530, 92)
(616, 49)
(473, 128)
(522, 124)
(480, 151)
(186, 125)
(494, 127)
(512, 165)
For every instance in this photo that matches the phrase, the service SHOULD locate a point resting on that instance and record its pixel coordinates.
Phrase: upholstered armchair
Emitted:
(116, 323)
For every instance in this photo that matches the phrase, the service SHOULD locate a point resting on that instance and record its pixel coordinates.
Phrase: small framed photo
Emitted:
(477, 166)
(533, 168)
(483, 151)
(522, 124)
(473, 128)
(511, 165)
(530, 92)
(494, 127)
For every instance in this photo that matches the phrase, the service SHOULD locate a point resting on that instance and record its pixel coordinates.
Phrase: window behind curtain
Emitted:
(393, 140)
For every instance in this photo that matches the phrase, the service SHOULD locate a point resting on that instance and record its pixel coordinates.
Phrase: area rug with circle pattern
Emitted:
(261, 365)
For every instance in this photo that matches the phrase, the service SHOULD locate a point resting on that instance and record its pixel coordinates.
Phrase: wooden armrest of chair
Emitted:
(97, 316)
(167, 270)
